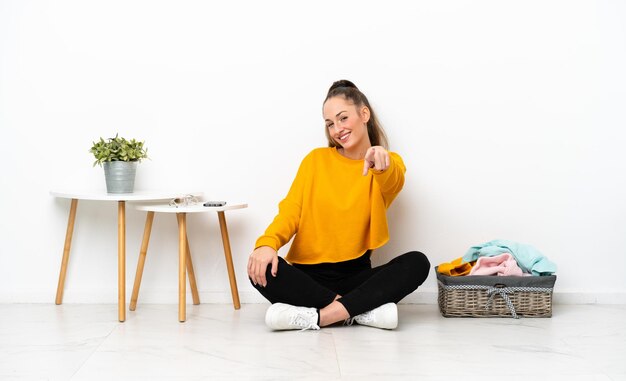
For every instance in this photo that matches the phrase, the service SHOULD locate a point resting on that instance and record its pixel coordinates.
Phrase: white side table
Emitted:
(121, 232)
(184, 256)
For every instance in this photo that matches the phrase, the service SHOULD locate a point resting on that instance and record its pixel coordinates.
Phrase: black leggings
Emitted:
(362, 288)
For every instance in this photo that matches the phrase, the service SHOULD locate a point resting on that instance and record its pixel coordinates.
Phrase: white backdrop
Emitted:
(509, 116)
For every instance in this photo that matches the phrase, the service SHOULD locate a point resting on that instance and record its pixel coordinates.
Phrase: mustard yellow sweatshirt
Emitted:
(335, 212)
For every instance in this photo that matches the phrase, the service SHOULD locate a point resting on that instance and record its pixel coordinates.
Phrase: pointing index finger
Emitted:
(366, 167)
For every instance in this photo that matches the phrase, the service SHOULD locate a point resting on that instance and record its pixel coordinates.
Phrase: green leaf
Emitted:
(118, 149)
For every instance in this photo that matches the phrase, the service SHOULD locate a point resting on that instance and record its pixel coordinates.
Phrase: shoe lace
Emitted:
(365, 317)
(304, 320)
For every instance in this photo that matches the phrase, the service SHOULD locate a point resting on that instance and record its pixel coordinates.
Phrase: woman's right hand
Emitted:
(260, 258)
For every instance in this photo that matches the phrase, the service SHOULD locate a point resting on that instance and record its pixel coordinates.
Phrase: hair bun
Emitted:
(342, 83)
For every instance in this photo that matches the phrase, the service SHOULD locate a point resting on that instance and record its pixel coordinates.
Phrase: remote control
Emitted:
(215, 203)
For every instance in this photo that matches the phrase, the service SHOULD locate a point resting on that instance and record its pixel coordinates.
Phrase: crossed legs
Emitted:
(338, 298)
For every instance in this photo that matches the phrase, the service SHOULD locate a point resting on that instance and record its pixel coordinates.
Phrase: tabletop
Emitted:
(135, 196)
(198, 208)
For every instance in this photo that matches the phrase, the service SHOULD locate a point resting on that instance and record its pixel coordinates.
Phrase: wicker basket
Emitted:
(495, 296)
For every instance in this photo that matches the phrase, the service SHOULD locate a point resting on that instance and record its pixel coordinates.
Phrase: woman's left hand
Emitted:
(377, 158)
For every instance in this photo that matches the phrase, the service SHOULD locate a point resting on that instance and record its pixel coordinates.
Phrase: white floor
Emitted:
(85, 342)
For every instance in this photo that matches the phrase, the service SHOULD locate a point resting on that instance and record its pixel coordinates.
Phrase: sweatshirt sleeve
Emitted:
(391, 181)
(287, 221)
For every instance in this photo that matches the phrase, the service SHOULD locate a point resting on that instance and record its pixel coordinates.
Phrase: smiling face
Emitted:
(346, 124)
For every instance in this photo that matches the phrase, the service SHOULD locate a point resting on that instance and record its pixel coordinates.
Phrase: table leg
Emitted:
(121, 260)
(182, 274)
(142, 260)
(66, 250)
(192, 276)
(229, 260)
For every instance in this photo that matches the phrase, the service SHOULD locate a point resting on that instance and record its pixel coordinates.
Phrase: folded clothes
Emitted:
(455, 268)
(503, 265)
(529, 259)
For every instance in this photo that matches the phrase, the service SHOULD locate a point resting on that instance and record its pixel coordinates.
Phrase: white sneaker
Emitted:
(281, 316)
(385, 316)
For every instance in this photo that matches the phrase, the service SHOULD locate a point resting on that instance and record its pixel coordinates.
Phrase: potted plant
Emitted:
(119, 157)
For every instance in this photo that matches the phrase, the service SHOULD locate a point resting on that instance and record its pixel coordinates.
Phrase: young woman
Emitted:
(336, 208)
